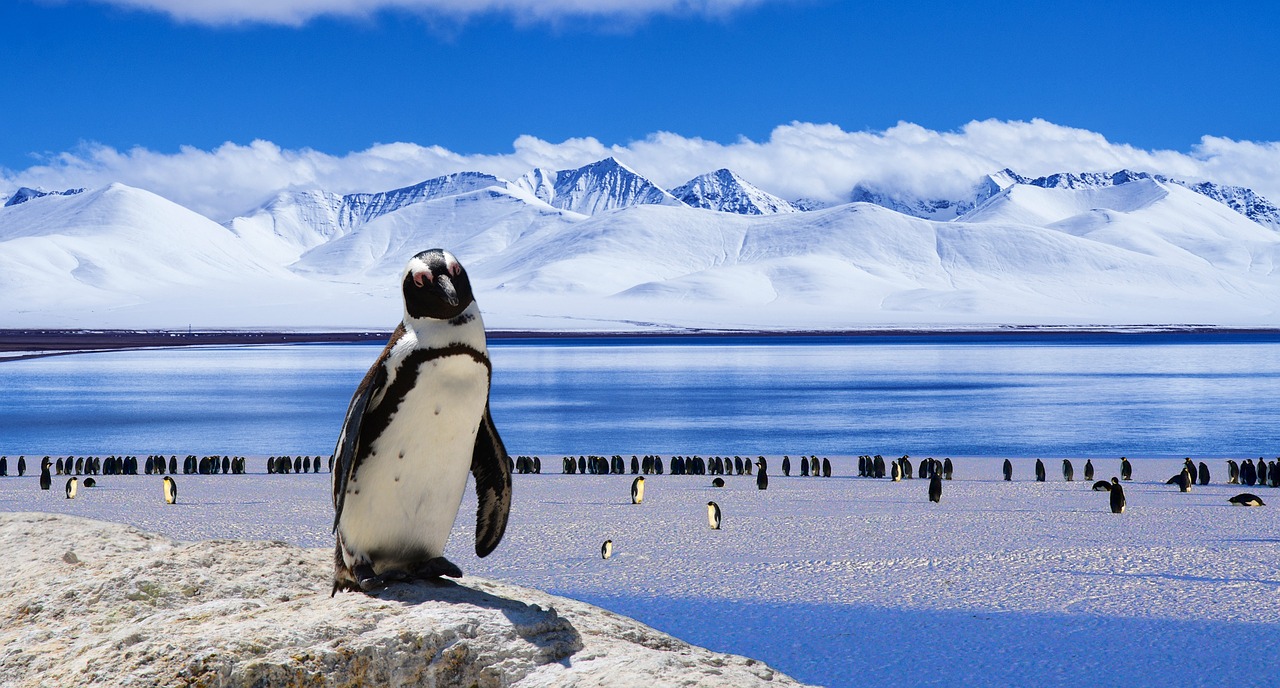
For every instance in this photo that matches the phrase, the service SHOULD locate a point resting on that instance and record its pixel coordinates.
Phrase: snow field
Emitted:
(844, 581)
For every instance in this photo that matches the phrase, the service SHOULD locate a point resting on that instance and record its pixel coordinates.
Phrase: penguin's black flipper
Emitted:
(492, 471)
(349, 439)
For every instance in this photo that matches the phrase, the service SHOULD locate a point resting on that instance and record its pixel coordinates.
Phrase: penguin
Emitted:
(935, 488)
(1262, 471)
(713, 515)
(862, 466)
(1117, 497)
(718, 482)
(1182, 480)
(804, 466)
(1248, 474)
(1088, 469)
(1039, 471)
(46, 480)
(1102, 486)
(897, 472)
(1247, 499)
(906, 467)
(173, 464)
(606, 549)
(786, 465)
(416, 425)
(1126, 469)
(1203, 474)
(72, 485)
(22, 466)
(762, 474)
(1233, 472)
(826, 467)
(635, 465)
(878, 465)
(90, 482)
(4, 465)
(170, 490)
(637, 490)
(1008, 470)
(150, 466)
(948, 468)
(1068, 473)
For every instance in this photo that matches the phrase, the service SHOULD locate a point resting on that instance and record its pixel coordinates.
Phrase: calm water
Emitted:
(1042, 395)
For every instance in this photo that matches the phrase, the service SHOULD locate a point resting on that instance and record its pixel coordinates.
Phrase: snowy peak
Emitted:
(725, 191)
(360, 208)
(25, 194)
(603, 185)
(1087, 180)
(1239, 199)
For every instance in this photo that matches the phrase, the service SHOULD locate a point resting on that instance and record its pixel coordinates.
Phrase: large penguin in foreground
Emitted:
(418, 422)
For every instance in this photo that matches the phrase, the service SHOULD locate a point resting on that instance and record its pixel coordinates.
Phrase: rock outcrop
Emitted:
(95, 603)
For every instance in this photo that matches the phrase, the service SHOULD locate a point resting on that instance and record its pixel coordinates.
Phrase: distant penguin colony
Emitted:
(713, 515)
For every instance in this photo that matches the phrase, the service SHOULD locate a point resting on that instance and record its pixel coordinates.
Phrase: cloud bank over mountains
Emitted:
(298, 12)
(821, 162)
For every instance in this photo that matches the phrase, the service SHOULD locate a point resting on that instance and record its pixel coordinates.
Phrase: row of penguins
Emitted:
(652, 464)
(159, 465)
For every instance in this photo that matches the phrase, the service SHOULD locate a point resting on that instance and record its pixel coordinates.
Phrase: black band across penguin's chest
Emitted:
(406, 376)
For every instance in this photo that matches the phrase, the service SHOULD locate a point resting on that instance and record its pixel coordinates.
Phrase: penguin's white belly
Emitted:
(401, 505)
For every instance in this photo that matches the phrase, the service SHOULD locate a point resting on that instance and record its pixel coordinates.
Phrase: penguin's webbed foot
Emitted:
(368, 581)
(438, 567)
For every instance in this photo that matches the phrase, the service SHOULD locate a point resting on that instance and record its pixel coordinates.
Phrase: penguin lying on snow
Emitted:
(1247, 499)
(418, 422)
(1102, 486)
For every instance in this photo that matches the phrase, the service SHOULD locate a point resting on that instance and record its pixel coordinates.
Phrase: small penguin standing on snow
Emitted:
(713, 515)
(170, 490)
(72, 486)
(1039, 471)
(1126, 469)
(606, 549)
(1008, 470)
(762, 474)
(935, 488)
(1117, 497)
(637, 490)
(1068, 473)
(1088, 469)
(416, 425)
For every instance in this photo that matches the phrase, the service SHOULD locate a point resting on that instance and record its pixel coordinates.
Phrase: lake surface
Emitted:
(1104, 395)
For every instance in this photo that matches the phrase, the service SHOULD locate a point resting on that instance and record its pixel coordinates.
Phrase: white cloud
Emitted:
(297, 12)
(799, 159)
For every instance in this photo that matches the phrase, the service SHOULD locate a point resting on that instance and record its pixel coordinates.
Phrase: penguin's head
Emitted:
(436, 286)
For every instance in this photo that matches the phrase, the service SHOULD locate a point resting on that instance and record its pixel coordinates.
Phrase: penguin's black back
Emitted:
(1117, 497)
(935, 488)
(1008, 470)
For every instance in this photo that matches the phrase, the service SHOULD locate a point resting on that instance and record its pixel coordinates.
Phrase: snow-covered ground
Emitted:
(845, 581)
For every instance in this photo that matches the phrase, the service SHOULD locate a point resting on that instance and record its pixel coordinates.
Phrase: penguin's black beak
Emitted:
(446, 287)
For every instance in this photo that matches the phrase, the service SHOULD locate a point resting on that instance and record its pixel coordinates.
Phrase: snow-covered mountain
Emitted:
(1067, 249)
(24, 194)
(294, 221)
(725, 191)
(604, 185)
(1242, 200)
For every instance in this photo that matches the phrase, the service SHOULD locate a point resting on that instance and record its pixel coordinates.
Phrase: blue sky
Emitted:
(1153, 75)
(802, 96)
